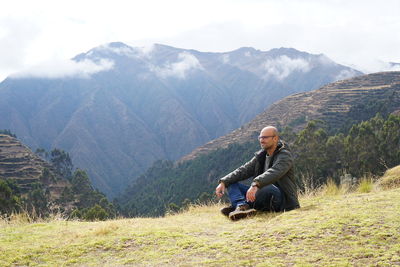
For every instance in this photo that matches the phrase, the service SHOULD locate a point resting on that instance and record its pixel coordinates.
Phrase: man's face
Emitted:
(267, 139)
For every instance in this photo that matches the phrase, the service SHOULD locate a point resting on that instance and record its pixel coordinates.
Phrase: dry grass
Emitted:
(329, 230)
(366, 185)
(334, 227)
(391, 178)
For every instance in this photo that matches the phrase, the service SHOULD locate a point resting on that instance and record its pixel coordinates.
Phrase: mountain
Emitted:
(342, 142)
(117, 109)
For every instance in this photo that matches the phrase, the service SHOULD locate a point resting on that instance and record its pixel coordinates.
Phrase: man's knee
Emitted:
(268, 198)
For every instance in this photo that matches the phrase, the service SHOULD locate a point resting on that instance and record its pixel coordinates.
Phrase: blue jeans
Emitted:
(268, 198)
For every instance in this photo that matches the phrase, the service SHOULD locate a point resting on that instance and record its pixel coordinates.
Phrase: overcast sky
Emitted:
(360, 33)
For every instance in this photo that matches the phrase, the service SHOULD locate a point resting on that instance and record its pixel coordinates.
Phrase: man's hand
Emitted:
(220, 190)
(251, 194)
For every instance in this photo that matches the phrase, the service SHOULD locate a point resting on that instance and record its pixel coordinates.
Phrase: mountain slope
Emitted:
(124, 107)
(334, 103)
(32, 185)
(18, 163)
(329, 230)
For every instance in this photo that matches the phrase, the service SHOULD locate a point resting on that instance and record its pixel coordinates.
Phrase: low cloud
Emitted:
(388, 66)
(122, 50)
(283, 66)
(371, 66)
(65, 69)
(179, 69)
(324, 60)
(345, 74)
(125, 50)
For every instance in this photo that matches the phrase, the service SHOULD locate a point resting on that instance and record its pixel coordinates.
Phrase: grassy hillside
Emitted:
(357, 229)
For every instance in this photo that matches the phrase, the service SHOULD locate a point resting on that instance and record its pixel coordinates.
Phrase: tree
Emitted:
(9, 199)
(309, 150)
(81, 183)
(389, 145)
(62, 162)
(37, 200)
(95, 213)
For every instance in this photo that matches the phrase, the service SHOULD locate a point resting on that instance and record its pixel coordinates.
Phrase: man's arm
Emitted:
(282, 164)
(242, 173)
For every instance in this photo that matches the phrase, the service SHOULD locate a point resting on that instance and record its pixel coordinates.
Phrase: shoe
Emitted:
(241, 212)
(225, 211)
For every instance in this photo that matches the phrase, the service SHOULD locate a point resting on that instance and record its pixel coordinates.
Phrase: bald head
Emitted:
(269, 130)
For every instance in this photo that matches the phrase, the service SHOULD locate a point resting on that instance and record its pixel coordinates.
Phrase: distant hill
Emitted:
(20, 164)
(32, 185)
(116, 109)
(320, 151)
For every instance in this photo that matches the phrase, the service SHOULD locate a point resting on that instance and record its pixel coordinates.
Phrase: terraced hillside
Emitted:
(17, 162)
(333, 103)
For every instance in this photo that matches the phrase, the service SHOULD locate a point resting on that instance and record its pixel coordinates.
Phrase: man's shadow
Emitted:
(269, 215)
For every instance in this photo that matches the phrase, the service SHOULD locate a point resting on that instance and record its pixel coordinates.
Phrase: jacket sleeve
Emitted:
(242, 173)
(282, 164)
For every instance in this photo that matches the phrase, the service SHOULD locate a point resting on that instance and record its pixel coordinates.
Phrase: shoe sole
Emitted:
(227, 211)
(237, 215)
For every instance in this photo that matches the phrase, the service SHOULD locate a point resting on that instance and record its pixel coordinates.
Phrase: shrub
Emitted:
(391, 178)
(366, 185)
(331, 188)
(96, 213)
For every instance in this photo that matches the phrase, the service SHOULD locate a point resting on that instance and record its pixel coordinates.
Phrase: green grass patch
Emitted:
(366, 185)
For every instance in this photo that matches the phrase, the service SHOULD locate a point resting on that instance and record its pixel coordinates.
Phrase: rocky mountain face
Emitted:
(334, 103)
(122, 108)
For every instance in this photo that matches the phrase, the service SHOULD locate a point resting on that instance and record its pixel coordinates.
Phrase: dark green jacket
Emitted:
(279, 173)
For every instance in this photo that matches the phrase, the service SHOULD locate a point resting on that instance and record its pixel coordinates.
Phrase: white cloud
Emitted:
(345, 74)
(369, 65)
(15, 39)
(325, 60)
(146, 51)
(283, 66)
(122, 50)
(65, 68)
(346, 31)
(125, 50)
(180, 68)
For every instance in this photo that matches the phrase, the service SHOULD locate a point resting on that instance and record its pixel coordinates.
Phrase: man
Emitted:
(273, 187)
